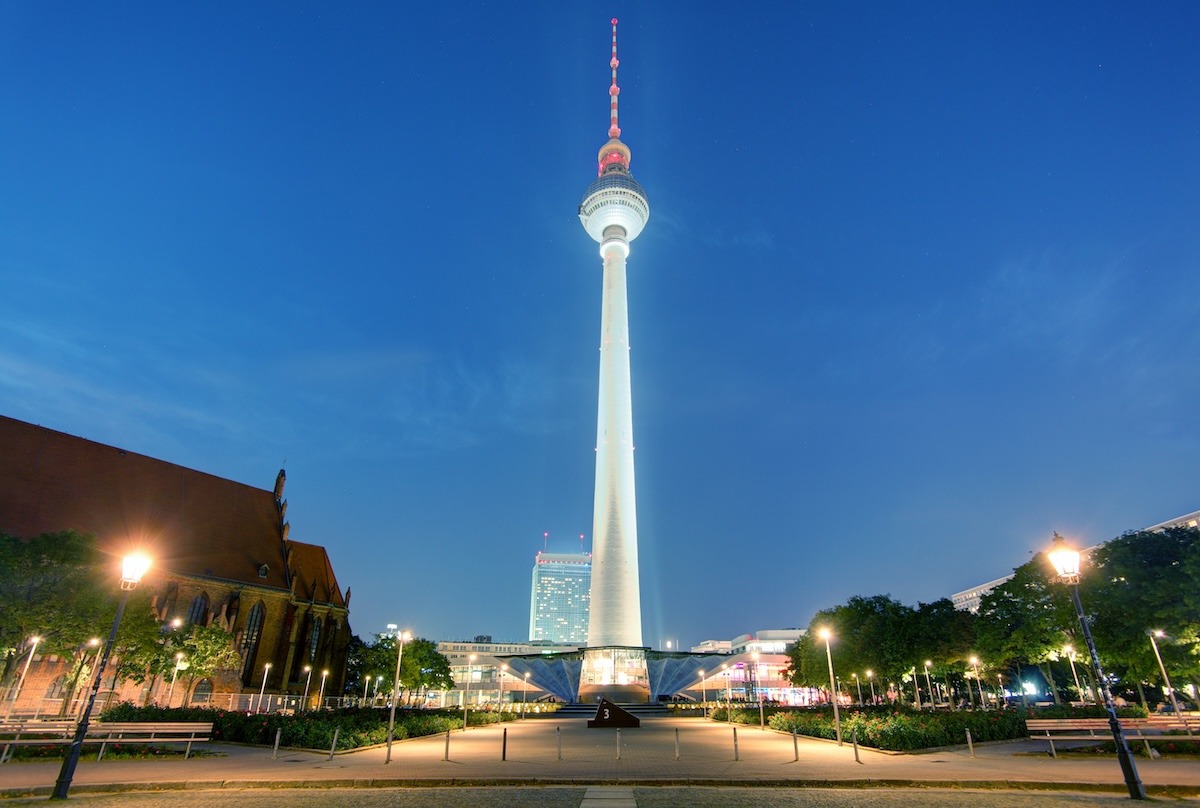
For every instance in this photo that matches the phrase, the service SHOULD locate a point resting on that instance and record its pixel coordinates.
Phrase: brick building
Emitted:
(221, 554)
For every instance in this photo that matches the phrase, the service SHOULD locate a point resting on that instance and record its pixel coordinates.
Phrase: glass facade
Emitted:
(560, 597)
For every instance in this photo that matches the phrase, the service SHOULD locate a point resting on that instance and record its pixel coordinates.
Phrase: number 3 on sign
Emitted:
(606, 716)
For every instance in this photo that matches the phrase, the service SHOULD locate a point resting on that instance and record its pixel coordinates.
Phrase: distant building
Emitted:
(221, 555)
(969, 600)
(478, 674)
(560, 597)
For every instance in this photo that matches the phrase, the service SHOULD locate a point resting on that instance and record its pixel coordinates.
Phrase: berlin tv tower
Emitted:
(614, 211)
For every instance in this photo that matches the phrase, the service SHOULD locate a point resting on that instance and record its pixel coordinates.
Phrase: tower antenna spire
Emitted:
(614, 131)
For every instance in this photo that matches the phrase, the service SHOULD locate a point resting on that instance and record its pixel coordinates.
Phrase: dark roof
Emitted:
(314, 574)
(190, 522)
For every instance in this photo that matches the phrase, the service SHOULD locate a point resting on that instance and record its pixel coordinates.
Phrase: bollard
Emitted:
(618, 743)
(446, 754)
(333, 747)
(677, 743)
(558, 740)
(854, 740)
(795, 746)
(735, 748)
(275, 751)
(504, 746)
(970, 745)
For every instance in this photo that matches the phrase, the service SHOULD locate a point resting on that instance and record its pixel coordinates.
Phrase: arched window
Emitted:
(203, 692)
(198, 612)
(314, 640)
(57, 688)
(250, 637)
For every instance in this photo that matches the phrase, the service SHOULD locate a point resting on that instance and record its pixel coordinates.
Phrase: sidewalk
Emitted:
(647, 756)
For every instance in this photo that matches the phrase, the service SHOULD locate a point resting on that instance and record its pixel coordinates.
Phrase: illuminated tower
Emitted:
(614, 211)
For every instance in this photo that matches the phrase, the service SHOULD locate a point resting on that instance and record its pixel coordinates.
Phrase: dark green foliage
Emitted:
(903, 730)
(1087, 711)
(314, 730)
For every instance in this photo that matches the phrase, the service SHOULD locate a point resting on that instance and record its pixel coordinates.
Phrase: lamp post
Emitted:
(1166, 679)
(916, 688)
(703, 694)
(174, 675)
(500, 695)
(263, 688)
(858, 686)
(762, 723)
(929, 684)
(401, 636)
(728, 693)
(1065, 560)
(871, 680)
(1074, 674)
(825, 634)
(33, 644)
(133, 568)
(321, 695)
(978, 681)
(525, 694)
(466, 688)
(307, 681)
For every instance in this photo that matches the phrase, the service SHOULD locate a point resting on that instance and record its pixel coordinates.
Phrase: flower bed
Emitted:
(902, 730)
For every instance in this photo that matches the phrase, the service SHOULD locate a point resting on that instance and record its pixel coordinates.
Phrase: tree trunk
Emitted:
(1021, 687)
(1050, 680)
(1142, 694)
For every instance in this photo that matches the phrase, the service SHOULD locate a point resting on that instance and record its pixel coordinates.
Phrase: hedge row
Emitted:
(902, 730)
(356, 727)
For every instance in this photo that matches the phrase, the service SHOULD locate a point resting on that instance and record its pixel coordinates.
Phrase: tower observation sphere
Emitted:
(613, 212)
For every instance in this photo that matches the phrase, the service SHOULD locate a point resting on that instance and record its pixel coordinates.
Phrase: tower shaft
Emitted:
(616, 615)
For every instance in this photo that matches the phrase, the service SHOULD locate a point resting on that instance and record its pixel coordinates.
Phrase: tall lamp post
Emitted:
(321, 695)
(263, 688)
(929, 685)
(1065, 560)
(1075, 674)
(762, 722)
(466, 689)
(728, 693)
(825, 634)
(500, 695)
(704, 694)
(1166, 679)
(401, 636)
(978, 681)
(525, 694)
(858, 686)
(133, 568)
(307, 682)
(871, 679)
(916, 688)
(179, 665)
(33, 644)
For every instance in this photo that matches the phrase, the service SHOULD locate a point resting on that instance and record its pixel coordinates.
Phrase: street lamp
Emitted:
(929, 684)
(825, 634)
(1166, 679)
(703, 694)
(33, 644)
(174, 675)
(858, 686)
(401, 636)
(1065, 560)
(500, 695)
(263, 688)
(762, 723)
(728, 693)
(1074, 674)
(524, 694)
(916, 687)
(133, 568)
(466, 688)
(871, 680)
(321, 694)
(979, 681)
(307, 681)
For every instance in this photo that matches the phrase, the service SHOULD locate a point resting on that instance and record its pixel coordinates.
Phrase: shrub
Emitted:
(904, 730)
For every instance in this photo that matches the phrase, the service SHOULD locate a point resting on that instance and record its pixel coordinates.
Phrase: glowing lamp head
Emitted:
(825, 634)
(1158, 632)
(1064, 558)
(133, 567)
(974, 660)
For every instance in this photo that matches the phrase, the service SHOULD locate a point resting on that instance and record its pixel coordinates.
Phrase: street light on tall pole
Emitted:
(466, 688)
(307, 681)
(762, 723)
(263, 688)
(1166, 679)
(525, 694)
(1074, 674)
(871, 679)
(321, 695)
(978, 681)
(858, 686)
(133, 569)
(401, 636)
(929, 684)
(1065, 560)
(704, 694)
(33, 644)
(825, 634)
(728, 693)
(500, 695)
(174, 674)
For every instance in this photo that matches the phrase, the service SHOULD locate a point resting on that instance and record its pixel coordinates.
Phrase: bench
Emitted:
(62, 733)
(1097, 729)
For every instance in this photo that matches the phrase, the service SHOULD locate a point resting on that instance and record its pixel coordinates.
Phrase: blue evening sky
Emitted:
(918, 288)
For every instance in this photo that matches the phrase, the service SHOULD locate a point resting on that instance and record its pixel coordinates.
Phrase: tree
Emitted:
(207, 650)
(424, 668)
(145, 647)
(51, 586)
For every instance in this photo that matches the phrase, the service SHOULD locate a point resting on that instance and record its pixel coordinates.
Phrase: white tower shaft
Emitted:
(616, 614)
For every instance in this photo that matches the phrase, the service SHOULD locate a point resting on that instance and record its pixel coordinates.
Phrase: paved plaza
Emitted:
(645, 771)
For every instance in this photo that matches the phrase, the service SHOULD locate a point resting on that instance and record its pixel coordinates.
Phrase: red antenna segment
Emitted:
(614, 90)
